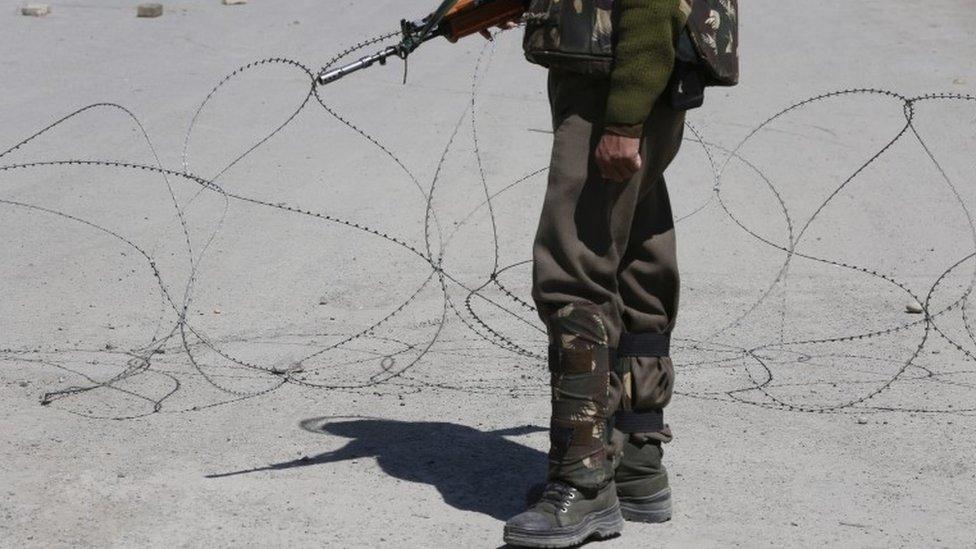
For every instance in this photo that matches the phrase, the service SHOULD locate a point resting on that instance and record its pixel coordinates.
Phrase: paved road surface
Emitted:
(322, 338)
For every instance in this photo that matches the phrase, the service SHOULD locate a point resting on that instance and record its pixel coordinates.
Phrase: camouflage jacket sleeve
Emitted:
(643, 59)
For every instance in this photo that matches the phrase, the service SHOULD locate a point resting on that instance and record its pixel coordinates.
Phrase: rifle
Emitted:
(454, 19)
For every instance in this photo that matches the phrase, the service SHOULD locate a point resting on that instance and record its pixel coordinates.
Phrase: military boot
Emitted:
(579, 500)
(642, 482)
(644, 378)
(565, 517)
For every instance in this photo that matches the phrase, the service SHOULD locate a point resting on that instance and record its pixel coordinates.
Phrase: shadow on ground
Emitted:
(473, 470)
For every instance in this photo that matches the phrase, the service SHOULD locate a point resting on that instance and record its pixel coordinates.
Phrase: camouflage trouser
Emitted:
(605, 275)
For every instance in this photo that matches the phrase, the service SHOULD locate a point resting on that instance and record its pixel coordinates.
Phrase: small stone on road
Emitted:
(149, 10)
(35, 10)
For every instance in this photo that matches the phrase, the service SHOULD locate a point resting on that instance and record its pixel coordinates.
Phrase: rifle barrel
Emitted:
(328, 77)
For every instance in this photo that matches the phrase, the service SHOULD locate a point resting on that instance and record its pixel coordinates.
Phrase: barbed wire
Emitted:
(495, 321)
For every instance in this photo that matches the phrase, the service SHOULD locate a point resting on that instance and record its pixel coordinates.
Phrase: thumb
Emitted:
(635, 162)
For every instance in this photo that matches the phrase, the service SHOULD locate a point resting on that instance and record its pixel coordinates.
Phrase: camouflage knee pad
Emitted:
(580, 366)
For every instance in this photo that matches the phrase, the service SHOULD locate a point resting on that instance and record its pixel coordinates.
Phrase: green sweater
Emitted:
(647, 33)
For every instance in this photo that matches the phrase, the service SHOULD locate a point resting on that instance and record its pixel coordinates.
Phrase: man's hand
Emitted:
(508, 25)
(618, 157)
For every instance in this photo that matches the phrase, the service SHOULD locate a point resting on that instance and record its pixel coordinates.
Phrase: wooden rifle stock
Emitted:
(471, 16)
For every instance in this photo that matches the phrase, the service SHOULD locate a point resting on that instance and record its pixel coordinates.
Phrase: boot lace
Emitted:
(561, 495)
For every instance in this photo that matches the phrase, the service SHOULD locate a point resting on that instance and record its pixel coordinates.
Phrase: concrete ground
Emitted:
(263, 353)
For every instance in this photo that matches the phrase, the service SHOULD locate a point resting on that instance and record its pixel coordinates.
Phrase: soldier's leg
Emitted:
(648, 286)
(583, 236)
(579, 245)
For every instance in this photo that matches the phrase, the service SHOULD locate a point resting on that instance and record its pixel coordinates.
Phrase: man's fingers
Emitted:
(625, 167)
(603, 165)
(633, 164)
(609, 166)
(612, 172)
(619, 169)
(503, 26)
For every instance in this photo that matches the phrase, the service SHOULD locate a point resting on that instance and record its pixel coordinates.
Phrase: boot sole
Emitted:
(602, 525)
(655, 508)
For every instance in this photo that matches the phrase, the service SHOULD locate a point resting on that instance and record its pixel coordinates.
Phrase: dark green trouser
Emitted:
(611, 248)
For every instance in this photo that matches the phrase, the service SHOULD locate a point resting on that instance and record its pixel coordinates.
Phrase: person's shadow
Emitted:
(473, 470)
